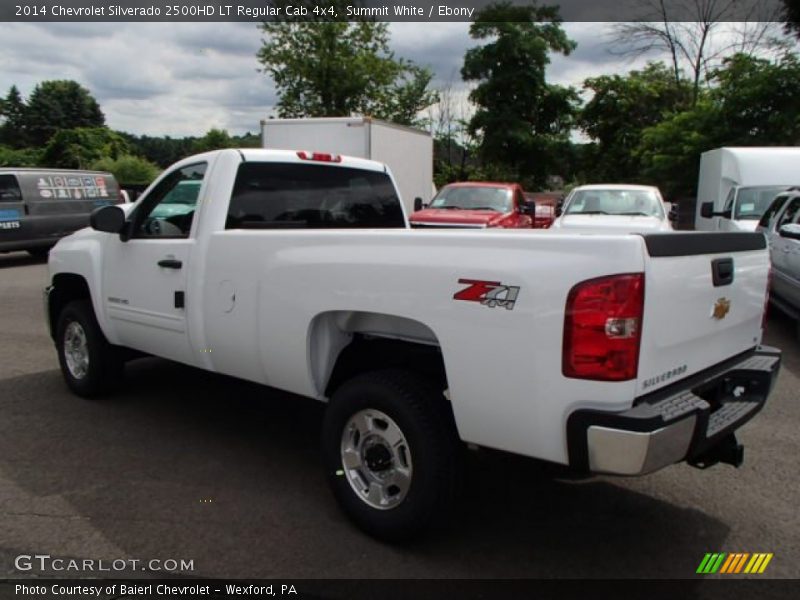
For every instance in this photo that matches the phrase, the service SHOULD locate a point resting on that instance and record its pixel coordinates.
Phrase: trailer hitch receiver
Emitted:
(727, 451)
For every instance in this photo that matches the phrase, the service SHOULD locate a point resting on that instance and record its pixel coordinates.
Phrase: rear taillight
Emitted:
(602, 328)
(319, 156)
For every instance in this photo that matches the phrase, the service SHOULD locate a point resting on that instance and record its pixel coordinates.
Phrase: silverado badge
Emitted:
(721, 308)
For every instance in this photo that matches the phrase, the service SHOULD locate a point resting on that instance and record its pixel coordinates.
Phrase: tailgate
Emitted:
(704, 302)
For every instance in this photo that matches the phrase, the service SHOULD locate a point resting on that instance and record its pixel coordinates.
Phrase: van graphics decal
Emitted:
(9, 218)
(78, 188)
(9, 214)
(488, 293)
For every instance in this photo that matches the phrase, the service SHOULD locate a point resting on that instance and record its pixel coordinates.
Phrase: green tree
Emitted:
(758, 100)
(334, 67)
(519, 116)
(162, 151)
(214, 139)
(752, 102)
(14, 157)
(128, 170)
(670, 151)
(79, 148)
(621, 107)
(12, 109)
(59, 105)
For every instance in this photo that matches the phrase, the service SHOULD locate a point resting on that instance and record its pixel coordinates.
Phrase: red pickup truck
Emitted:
(480, 205)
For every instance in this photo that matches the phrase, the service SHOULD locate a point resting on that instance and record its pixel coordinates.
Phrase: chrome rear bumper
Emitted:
(681, 422)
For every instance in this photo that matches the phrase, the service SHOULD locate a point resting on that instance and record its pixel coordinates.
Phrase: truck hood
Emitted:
(469, 218)
(612, 223)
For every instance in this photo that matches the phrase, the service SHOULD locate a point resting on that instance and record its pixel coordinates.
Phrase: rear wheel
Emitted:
(90, 365)
(392, 453)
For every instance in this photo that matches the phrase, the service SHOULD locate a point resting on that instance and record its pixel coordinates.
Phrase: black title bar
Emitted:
(380, 10)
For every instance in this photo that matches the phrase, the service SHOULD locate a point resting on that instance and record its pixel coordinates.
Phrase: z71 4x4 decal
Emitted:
(488, 293)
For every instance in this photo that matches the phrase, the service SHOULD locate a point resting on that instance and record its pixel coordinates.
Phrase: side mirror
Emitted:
(559, 210)
(790, 231)
(110, 219)
(673, 213)
(528, 207)
(417, 203)
(707, 211)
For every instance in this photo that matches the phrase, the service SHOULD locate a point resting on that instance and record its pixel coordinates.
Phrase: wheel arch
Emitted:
(343, 344)
(65, 288)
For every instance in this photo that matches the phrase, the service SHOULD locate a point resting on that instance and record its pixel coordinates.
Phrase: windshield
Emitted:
(752, 202)
(639, 203)
(474, 198)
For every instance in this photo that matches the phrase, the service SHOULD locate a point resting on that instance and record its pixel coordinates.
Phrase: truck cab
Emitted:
(736, 185)
(478, 205)
(743, 207)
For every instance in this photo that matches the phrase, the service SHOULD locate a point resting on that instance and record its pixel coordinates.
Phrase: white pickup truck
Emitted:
(617, 354)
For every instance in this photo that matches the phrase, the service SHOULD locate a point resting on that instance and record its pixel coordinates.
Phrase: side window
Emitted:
(769, 214)
(790, 214)
(729, 200)
(168, 210)
(9, 189)
(307, 196)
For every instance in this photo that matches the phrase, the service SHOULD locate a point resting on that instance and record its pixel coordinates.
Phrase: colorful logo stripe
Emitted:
(734, 562)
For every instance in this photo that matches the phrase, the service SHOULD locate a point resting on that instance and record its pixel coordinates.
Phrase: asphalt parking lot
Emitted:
(183, 464)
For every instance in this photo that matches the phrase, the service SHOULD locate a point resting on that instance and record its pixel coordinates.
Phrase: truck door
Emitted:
(785, 253)
(144, 278)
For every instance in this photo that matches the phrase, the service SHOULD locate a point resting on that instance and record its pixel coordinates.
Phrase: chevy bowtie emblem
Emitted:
(721, 308)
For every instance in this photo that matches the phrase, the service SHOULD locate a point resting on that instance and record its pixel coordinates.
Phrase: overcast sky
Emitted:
(185, 78)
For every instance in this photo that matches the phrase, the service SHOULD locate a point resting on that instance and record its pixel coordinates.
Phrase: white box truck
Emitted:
(736, 185)
(408, 152)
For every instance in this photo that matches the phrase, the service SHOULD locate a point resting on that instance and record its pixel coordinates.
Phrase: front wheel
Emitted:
(90, 365)
(392, 453)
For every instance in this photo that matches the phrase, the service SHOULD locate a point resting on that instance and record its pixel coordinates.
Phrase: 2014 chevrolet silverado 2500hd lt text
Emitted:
(613, 354)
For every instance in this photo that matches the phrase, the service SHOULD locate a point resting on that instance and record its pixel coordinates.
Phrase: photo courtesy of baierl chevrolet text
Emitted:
(387, 299)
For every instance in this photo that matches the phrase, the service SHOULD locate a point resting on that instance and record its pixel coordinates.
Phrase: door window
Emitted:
(770, 213)
(169, 209)
(790, 214)
(729, 200)
(9, 189)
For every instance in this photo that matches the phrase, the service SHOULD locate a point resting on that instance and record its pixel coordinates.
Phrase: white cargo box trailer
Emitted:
(407, 151)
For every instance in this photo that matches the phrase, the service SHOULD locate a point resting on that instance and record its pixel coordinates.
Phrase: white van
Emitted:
(736, 185)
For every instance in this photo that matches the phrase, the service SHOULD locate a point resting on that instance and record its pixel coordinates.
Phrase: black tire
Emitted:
(425, 419)
(40, 253)
(105, 365)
